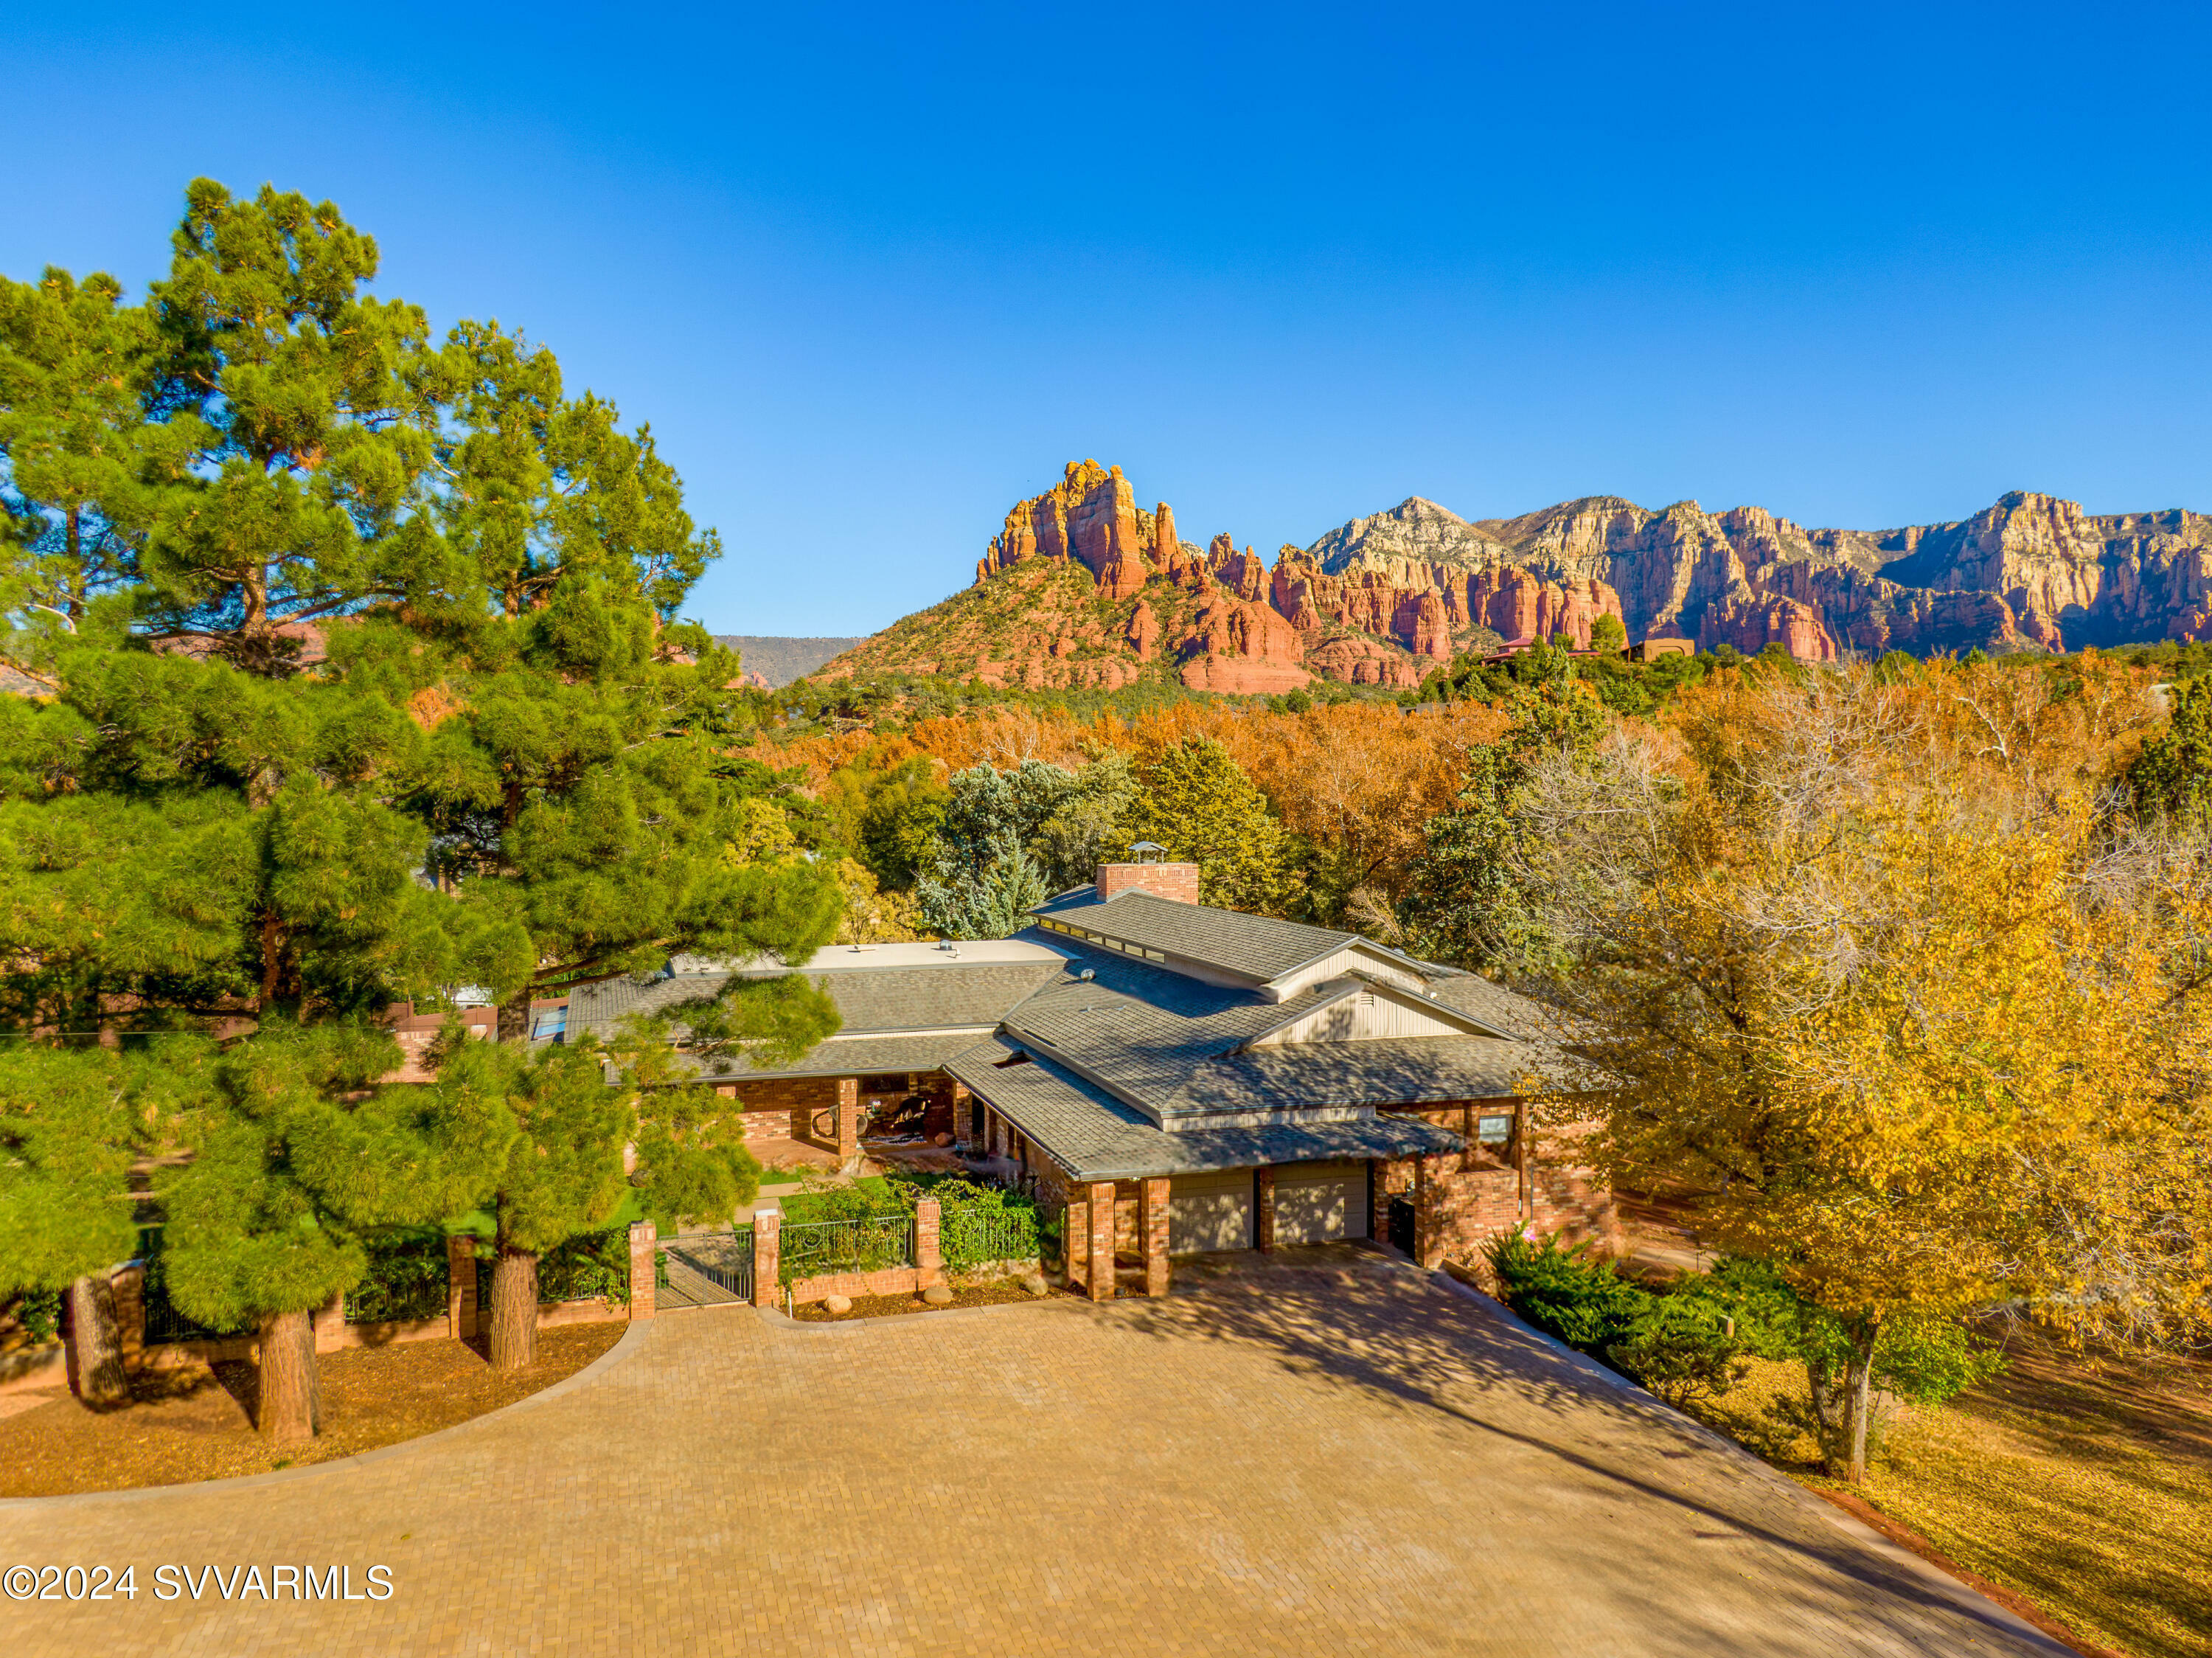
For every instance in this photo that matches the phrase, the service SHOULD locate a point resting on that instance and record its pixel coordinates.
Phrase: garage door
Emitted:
(1316, 1202)
(1210, 1211)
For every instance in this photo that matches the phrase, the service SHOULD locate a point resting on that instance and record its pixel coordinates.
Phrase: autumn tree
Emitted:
(1860, 982)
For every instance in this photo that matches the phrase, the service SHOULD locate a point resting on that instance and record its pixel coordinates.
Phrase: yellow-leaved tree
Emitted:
(1871, 977)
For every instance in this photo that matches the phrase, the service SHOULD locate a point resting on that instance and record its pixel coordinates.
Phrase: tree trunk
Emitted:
(514, 1017)
(291, 1385)
(1860, 1389)
(513, 1328)
(95, 1343)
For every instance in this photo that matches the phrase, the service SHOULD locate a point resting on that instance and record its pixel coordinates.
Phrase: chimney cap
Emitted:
(1149, 851)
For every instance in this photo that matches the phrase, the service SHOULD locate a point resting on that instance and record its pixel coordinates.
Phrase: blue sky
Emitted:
(872, 273)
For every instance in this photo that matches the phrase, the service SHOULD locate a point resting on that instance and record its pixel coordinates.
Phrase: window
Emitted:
(1494, 1130)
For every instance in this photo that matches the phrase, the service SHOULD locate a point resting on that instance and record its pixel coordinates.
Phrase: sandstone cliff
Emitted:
(1083, 588)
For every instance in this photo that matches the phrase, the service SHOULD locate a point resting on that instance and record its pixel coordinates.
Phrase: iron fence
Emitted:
(816, 1249)
(406, 1282)
(972, 1237)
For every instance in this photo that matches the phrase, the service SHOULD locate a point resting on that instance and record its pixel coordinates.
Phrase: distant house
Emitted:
(1179, 1078)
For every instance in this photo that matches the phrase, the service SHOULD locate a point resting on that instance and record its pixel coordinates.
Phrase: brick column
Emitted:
(768, 1252)
(1430, 1216)
(1263, 1208)
(848, 1115)
(329, 1324)
(928, 1250)
(1152, 1226)
(1075, 1233)
(460, 1286)
(962, 1122)
(129, 1284)
(644, 1274)
(1102, 1241)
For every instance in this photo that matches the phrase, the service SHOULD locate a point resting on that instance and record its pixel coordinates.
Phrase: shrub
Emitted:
(590, 1265)
(1565, 1293)
(405, 1280)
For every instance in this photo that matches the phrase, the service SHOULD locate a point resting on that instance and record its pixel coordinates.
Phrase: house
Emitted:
(1177, 1077)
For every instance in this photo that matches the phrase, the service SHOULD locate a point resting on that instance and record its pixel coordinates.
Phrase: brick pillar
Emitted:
(1102, 1241)
(928, 1250)
(460, 1285)
(848, 1115)
(1152, 1226)
(129, 1283)
(329, 1324)
(768, 1252)
(1263, 1208)
(962, 1124)
(1430, 1216)
(1075, 1231)
(644, 1270)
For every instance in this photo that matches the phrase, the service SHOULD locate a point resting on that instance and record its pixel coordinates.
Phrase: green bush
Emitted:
(592, 1265)
(1565, 1293)
(406, 1280)
(982, 1223)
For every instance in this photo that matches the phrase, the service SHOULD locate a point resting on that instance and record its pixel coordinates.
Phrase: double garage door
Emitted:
(1314, 1203)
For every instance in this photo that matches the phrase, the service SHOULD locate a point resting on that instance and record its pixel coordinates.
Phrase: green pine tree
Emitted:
(1196, 800)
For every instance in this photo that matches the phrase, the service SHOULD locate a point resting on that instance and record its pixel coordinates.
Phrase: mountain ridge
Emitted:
(1103, 592)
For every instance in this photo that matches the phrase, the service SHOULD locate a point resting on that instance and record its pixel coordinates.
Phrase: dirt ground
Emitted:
(998, 1293)
(195, 1423)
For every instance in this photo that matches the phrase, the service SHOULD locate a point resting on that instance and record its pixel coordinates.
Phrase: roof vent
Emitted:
(1087, 974)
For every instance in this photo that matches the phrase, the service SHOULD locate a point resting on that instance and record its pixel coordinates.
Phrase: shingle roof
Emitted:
(1097, 1137)
(870, 999)
(1259, 948)
(1167, 1044)
(865, 1055)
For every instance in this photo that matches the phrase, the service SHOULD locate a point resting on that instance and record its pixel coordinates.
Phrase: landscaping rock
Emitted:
(944, 1139)
(938, 1295)
(1035, 1284)
(836, 1306)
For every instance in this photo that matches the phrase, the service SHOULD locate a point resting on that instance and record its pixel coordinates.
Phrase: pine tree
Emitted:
(1194, 799)
(367, 685)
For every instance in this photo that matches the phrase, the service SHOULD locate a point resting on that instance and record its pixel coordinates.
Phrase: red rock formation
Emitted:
(1239, 645)
(1421, 623)
(1143, 632)
(1752, 621)
(1243, 573)
(1357, 661)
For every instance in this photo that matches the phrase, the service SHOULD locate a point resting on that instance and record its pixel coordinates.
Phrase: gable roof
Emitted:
(1178, 1048)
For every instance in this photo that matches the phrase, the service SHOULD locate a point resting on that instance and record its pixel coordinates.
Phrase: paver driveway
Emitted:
(1332, 1454)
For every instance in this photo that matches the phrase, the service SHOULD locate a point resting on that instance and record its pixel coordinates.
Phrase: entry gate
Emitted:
(705, 1269)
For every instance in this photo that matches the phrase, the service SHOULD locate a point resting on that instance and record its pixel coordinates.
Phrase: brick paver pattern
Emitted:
(1330, 1454)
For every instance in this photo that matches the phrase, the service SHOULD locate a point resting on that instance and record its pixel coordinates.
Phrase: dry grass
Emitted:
(194, 1422)
(2084, 1487)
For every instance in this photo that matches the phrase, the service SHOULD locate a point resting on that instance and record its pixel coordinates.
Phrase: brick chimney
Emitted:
(1178, 882)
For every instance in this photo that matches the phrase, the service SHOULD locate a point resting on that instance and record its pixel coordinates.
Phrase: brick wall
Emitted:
(1478, 1191)
(1178, 882)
